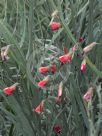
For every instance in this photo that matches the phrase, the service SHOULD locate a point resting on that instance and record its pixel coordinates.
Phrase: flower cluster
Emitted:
(67, 57)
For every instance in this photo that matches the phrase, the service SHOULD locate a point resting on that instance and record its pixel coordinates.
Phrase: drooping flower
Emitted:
(65, 58)
(60, 89)
(83, 65)
(69, 56)
(57, 128)
(39, 108)
(55, 26)
(89, 94)
(44, 82)
(53, 68)
(11, 89)
(44, 70)
(89, 47)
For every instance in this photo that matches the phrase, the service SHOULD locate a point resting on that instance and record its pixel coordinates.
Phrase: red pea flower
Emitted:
(39, 108)
(83, 65)
(89, 94)
(44, 82)
(44, 70)
(68, 57)
(11, 89)
(55, 26)
(65, 58)
(57, 129)
(53, 68)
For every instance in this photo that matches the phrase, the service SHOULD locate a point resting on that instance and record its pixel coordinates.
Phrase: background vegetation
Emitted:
(24, 24)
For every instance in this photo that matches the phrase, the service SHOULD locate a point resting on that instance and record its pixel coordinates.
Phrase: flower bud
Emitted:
(89, 94)
(60, 89)
(39, 108)
(89, 47)
(57, 129)
(4, 52)
(83, 65)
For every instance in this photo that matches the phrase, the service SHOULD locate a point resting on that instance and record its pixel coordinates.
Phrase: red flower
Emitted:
(89, 94)
(83, 66)
(44, 70)
(53, 68)
(44, 82)
(68, 57)
(40, 107)
(81, 39)
(65, 58)
(55, 26)
(10, 90)
(57, 128)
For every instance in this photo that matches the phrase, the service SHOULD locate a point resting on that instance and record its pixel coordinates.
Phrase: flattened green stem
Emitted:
(93, 67)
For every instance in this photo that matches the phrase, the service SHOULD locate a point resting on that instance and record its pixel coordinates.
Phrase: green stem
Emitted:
(1, 91)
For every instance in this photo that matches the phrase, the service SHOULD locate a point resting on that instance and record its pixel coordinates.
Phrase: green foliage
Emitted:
(24, 24)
